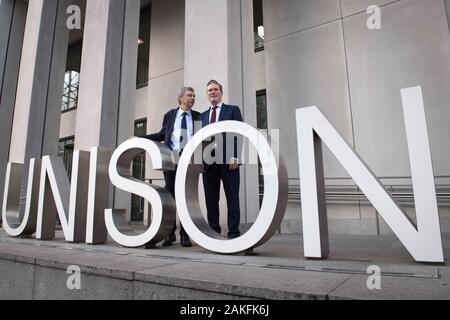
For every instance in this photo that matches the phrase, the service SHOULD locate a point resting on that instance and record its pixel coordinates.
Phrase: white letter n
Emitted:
(424, 241)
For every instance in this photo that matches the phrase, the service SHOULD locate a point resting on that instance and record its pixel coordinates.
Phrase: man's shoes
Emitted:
(169, 240)
(186, 242)
(150, 246)
(233, 236)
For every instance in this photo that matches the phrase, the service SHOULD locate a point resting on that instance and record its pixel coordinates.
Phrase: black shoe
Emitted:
(186, 242)
(150, 246)
(234, 236)
(169, 241)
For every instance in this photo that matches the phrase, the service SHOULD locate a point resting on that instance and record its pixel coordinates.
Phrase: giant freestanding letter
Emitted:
(422, 241)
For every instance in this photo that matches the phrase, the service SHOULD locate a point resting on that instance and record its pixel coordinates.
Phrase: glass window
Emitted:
(143, 48)
(137, 203)
(70, 93)
(72, 75)
(66, 147)
(258, 20)
(261, 109)
(261, 116)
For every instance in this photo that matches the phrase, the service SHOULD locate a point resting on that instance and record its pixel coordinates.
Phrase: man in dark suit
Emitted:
(177, 129)
(226, 169)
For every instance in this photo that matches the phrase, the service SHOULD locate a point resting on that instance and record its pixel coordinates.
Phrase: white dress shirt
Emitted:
(175, 139)
(219, 108)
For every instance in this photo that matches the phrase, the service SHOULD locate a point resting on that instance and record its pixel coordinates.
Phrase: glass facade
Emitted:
(70, 93)
(261, 116)
(258, 20)
(143, 48)
(138, 203)
(261, 109)
(65, 150)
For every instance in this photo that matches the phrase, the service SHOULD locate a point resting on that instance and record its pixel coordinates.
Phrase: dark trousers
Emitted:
(231, 181)
(170, 176)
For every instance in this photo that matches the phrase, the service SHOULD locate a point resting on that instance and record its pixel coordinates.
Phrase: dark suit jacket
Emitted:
(227, 113)
(165, 135)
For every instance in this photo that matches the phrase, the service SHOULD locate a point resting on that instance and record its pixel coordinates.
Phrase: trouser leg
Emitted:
(231, 183)
(211, 182)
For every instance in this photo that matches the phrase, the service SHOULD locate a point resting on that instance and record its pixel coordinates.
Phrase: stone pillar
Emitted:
(6, 17)
(12, 25)
(447, 11)
(128, 88)
(40, 82)
(56, 81)
(108, 81)
(220, 46)
(40, 77)
(99, 94)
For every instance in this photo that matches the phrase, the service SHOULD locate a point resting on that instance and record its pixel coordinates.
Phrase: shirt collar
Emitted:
(219, 106)
(180, 112)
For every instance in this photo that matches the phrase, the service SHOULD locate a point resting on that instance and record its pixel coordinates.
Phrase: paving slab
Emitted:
(16, 281)
(120, 267)
(51, 284)
(246, 281)
(277, 270)
(28, 253)
(393, 288)
(152, 291)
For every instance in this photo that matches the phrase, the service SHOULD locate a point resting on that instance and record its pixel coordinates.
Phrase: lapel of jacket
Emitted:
(193, 116)
(223, 112)
(171, 124)
(205, 118)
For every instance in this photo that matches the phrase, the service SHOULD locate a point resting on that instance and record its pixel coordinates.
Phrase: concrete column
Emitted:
(40, 74)
(249, 103)
(128, 88)
(219, 45)
(108, 81)
(6, 14)
(12, 25)
(98, 103)
(447, 11)
(56, 81)
(41, 64)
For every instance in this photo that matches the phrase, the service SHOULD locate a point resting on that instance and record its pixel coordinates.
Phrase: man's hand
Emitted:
(234, 165)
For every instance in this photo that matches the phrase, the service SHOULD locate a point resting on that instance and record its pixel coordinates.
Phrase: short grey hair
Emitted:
(215, 82)
(182, 91)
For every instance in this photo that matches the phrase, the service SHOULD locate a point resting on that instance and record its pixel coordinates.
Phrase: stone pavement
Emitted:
(33, 269)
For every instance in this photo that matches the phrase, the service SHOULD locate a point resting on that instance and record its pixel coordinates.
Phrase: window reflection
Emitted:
(258, 28)
(70, 93)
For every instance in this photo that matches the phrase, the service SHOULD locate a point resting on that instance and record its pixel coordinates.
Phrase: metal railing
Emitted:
(353, 195)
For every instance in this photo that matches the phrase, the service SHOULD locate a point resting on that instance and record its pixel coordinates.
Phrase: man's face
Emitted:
(214, 94)
(188, 100)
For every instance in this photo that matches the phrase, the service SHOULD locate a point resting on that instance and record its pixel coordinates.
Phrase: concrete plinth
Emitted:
(38, 270)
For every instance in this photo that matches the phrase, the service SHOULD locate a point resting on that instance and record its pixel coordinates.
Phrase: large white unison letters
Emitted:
(422, 241)
(80, 206)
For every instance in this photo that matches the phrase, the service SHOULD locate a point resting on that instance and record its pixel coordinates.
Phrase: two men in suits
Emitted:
(224, 170)
(177, 130)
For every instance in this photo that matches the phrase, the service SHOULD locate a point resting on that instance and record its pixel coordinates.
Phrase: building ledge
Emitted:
(38, 270)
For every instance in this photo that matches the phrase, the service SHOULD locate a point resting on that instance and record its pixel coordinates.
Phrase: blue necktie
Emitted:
(183, 129)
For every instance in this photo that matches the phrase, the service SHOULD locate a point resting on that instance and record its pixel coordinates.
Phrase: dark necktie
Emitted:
(183, 129)
(213, 120)
(214, 115)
